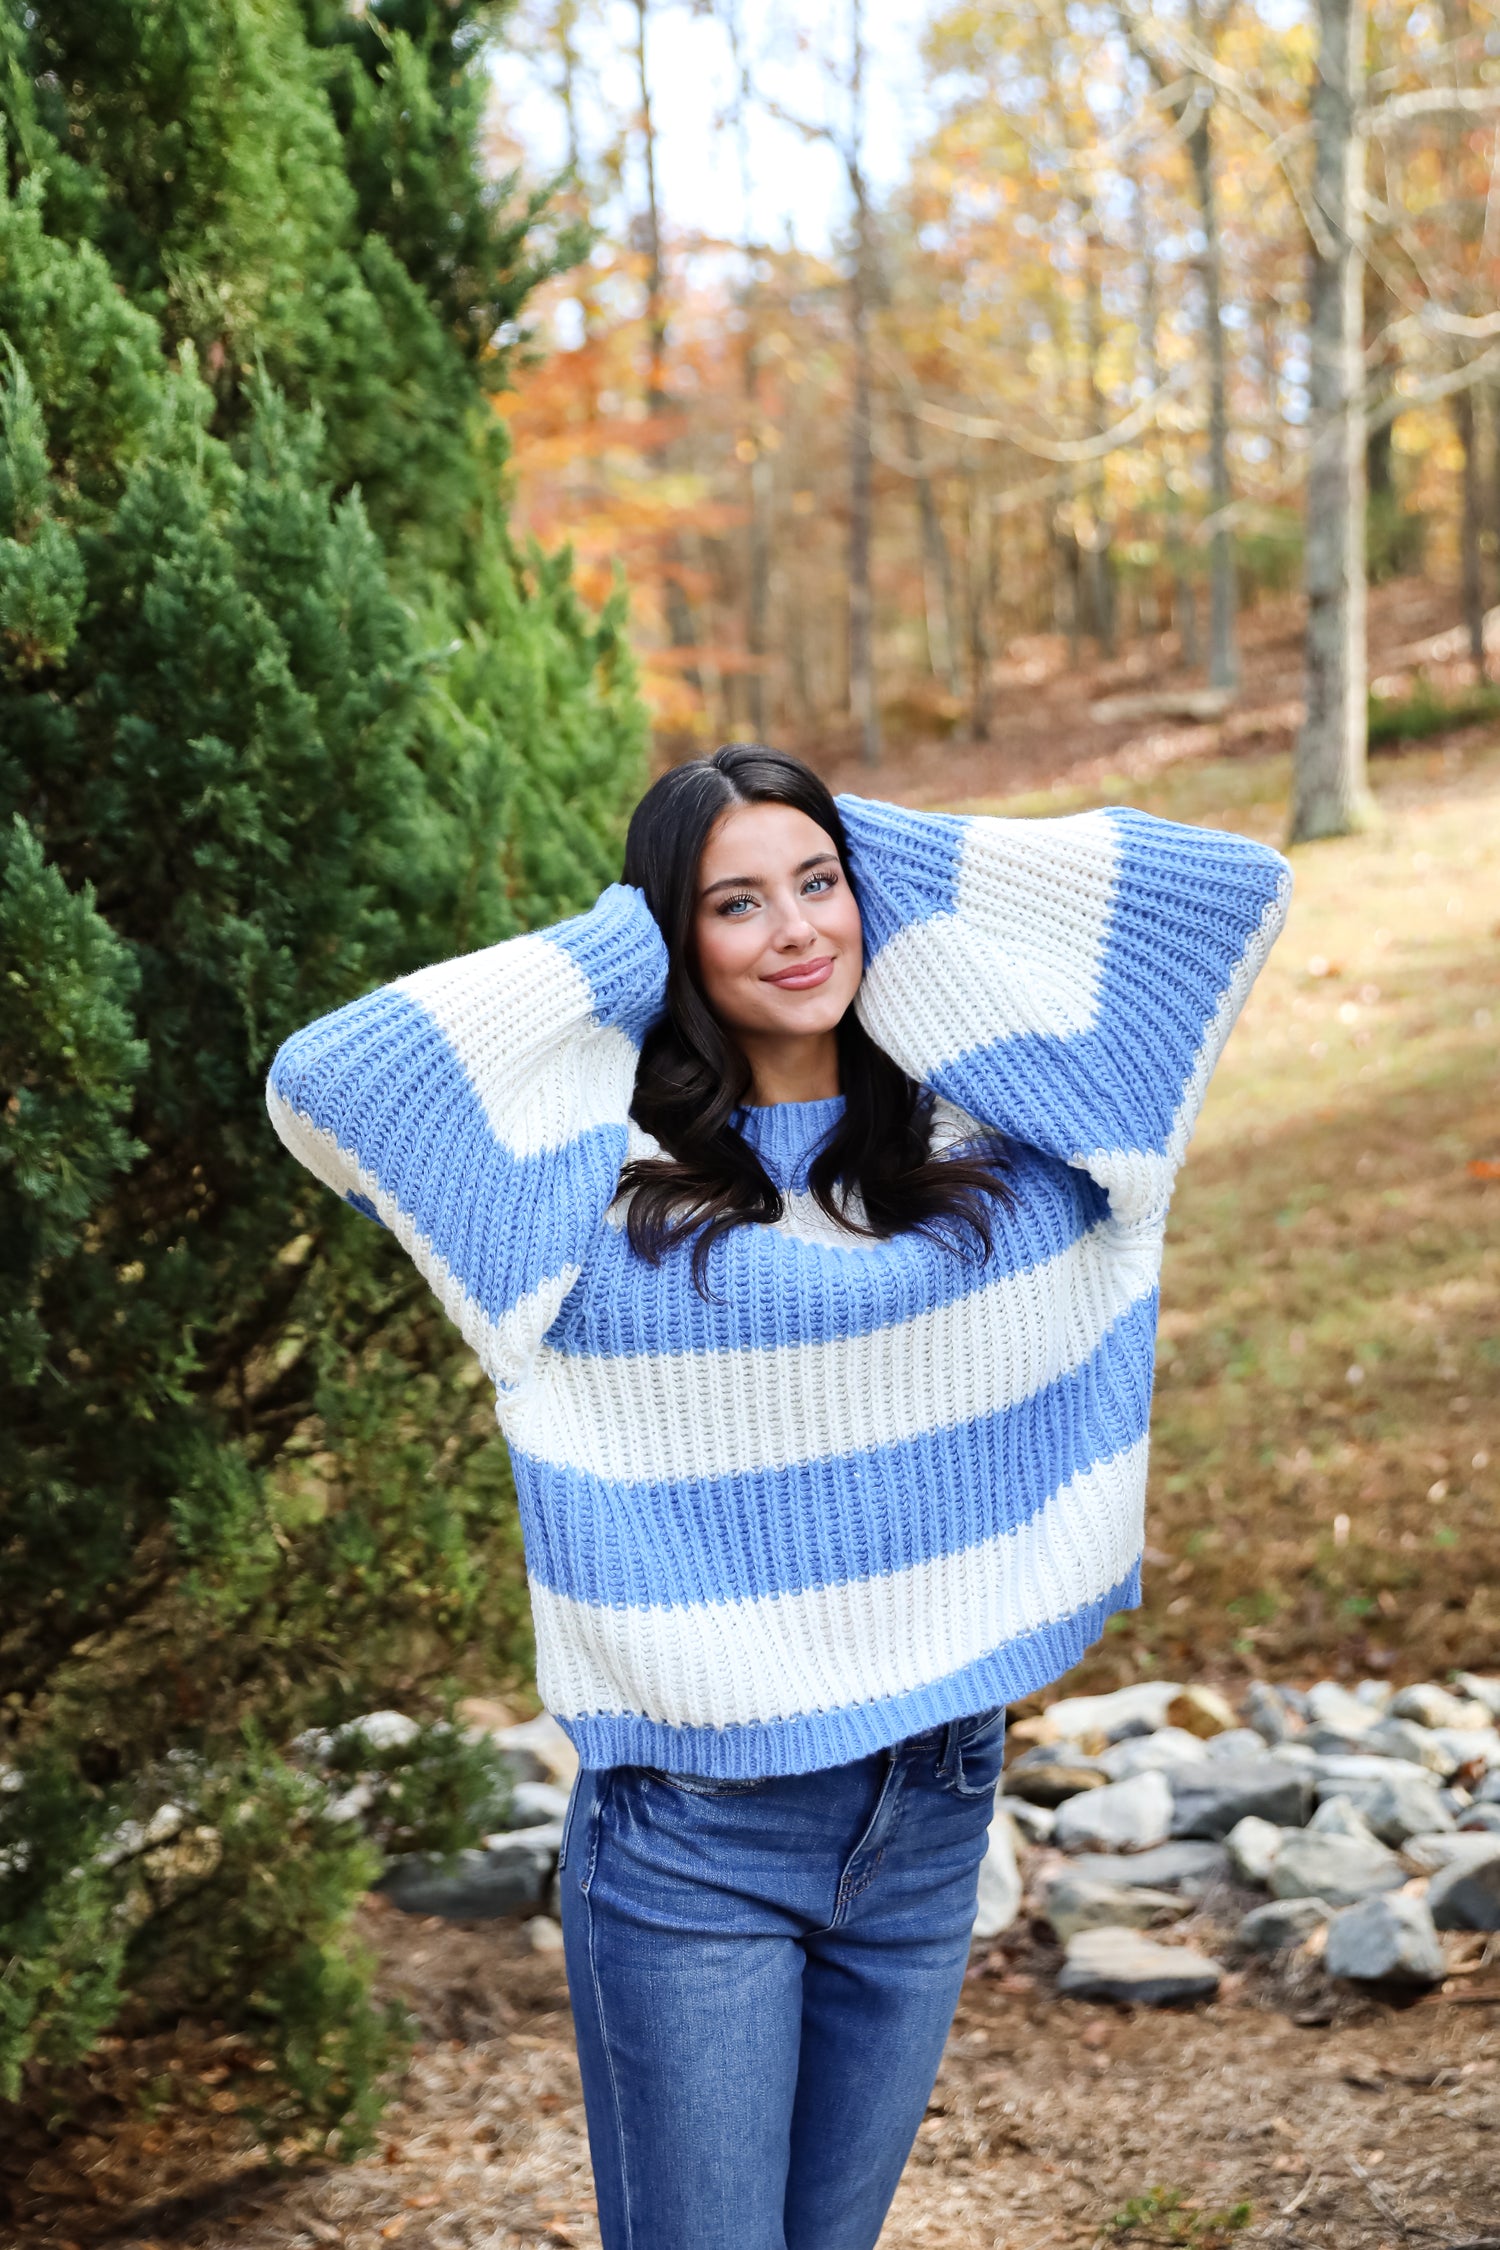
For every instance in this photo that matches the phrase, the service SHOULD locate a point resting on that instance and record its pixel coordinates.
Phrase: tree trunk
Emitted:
(1223, 657)
(1096, 558)
(864, 708)
(1330, 792)
(983, 530)
(678, 609)
(1466, 421)
(937, 568)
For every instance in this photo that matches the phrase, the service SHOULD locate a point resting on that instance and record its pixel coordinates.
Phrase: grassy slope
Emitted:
(1330, 1336)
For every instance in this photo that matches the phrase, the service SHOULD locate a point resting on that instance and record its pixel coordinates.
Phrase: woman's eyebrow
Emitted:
(755, 882)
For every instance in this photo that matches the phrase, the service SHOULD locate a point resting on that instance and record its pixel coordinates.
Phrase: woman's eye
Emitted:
(743, 899)
(827, 877)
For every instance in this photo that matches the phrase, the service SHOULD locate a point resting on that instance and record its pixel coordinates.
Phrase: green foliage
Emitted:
(1425, 711)
(283, 713)
(433, 1793)
(1166, 2215)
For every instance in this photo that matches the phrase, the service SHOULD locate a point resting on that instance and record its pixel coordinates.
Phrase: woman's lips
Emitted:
(804, 976)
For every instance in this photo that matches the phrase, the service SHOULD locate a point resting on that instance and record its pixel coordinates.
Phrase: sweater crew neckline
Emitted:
(786, 1136)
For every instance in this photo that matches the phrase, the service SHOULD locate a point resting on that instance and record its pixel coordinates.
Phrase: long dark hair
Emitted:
(692, 1077)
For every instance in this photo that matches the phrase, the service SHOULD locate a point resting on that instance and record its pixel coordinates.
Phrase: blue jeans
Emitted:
(763, 1974)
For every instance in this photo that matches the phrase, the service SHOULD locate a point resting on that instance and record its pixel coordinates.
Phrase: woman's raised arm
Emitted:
(479, 1108)
(1070, 982)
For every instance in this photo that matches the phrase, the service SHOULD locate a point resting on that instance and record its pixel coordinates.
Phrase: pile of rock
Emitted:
(1370, 1816)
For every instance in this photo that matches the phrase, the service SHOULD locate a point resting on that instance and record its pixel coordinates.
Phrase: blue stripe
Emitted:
(623, 954)
(841, 1518)
(835, 1738)
(769, 1288)
(380, 1076)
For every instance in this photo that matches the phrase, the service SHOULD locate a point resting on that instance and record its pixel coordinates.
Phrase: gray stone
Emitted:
(999, 1900)
(1329, 1741)
(1122, 1816)
(1234, 1742)
(1433, 1706)
(543, 1934)
(1269, 1712)
(1051, 1782)
(1481, 1688)
(1033, 1823)
(534, 1802)
(1466, 1896)
(1418, 1746)
(1358, 1767)
(1147, 1753)
(1341, 1869)
(1430, 1853)
(544, 1741)
(1121, 1965)
(1072, 1903)
(1333, 1705)
(1487, 1792)
(1385, 1941)
(1253, 1845)
(1111, 1715)
(1338, 1816)
(1281, 1922)
(1469, 1747)
(1374, 1694)
(512, 1871)
(1399, 1803)
(1186, 1867)
(381, 1730)
(1209, 1799)
(1480, 1817)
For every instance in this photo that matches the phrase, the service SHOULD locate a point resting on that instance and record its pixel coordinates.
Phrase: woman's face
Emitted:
(777, 927)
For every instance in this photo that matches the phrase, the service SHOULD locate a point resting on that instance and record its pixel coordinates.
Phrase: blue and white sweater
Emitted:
(869, 1486)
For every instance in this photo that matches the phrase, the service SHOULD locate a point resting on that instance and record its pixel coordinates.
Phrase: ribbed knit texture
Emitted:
(867, 1486)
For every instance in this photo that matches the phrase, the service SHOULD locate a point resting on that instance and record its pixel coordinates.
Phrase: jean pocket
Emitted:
(971, 1768)
(702, 1784)
(569, 1811)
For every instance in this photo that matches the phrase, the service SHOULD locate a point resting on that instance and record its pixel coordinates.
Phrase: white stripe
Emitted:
(1138, 1182)
(1022, 950)
(517, 1016)
(687, 1415)
(751, 1662)
(505, 1348)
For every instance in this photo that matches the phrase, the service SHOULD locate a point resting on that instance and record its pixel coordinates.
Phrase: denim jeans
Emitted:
(763, 1974)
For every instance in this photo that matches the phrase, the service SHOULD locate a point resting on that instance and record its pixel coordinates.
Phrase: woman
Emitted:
(804, 1199)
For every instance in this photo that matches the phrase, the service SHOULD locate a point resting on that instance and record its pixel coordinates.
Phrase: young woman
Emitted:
(804, 1200)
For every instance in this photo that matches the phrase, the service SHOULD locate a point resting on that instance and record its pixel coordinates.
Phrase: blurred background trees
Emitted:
(284, 710)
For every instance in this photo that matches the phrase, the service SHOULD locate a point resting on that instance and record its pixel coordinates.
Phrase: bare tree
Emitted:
(937, 563)
(863, 704)
(1330, 793)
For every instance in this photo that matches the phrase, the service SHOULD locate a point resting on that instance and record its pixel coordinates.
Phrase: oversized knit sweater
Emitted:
(865, 1486)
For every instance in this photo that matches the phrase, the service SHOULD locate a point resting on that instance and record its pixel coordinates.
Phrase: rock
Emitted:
(1110, 1715)
(1480, 1817)
(1466, 1896)
(1145, 1753)
(1433, 1706)
(1399, 1803)
(543, 1934)
(543, 1740)
(1431, 1853)
(1417, 1746)
(1281, 1922)
(1201, 1711)
(1333, 1705)
(1329, 1741)
(1341, 1869)
(1186, 1867)
(1455, 1799)
(1338, 1770)
(1072, 1903)
(512, 1871)
(1476, 1747)
(381, 1730)
(1339, 1816)
(1269, 1712)
(1480, 1688)
(999, 1880)
(1210, 1798)
(1374, 1694)
(1119, 1964)
(1234, 1742)
(1033, 1823)
(1201, 706)
(352, 1803)
(532, 1803)
(1053, 1783)
(1122, 1816)
(1385, 1940)
(1487, 1792)
(1253, 1845)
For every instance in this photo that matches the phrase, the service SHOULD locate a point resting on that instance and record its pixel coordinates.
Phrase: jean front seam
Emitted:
(848, 1892)
(604, 2040)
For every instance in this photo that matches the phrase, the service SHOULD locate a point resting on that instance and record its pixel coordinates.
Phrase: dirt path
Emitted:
(1344, 2124)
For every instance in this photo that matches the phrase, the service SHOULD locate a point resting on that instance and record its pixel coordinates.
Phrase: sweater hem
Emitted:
(814, 1740)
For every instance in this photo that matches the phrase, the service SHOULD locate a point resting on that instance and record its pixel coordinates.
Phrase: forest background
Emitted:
(376, 504)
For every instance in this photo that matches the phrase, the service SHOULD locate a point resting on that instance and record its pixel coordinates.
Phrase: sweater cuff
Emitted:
(619, 948)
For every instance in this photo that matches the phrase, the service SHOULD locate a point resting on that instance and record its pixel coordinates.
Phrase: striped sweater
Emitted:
(867, 1486)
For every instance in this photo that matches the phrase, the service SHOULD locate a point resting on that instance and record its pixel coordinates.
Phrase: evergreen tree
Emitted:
(283, 712)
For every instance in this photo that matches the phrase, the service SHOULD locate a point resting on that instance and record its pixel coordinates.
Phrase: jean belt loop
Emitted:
(948, 1763)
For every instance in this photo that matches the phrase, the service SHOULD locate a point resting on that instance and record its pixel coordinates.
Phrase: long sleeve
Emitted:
(479, 1108)
(1070, 982)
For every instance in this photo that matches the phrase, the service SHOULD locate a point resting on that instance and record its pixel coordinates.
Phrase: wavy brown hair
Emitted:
(692, 1077)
